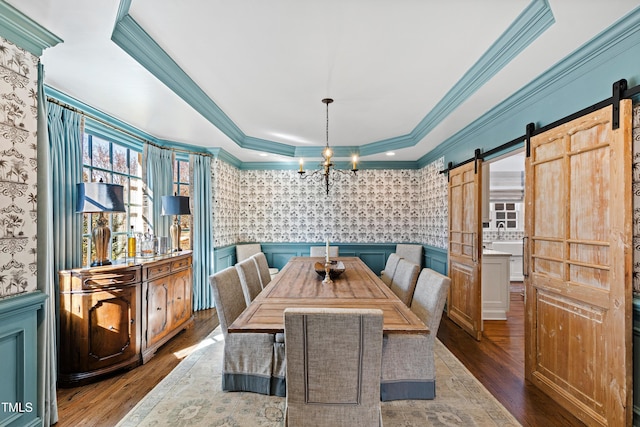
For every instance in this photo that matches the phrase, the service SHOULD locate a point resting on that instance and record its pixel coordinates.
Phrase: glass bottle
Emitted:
(131, 243)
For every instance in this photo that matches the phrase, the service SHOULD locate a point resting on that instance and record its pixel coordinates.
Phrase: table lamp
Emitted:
(100, 197)
(175, 205)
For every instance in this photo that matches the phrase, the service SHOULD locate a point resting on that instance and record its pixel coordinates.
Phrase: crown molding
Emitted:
(132, 38)
(24, 32)
(601, 49)
(343, 166)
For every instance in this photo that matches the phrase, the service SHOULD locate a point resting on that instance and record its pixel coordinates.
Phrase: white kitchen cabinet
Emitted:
(515, 249)
(496, 267)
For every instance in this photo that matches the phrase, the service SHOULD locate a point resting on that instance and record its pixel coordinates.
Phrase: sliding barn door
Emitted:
(578, 260)
(464, 305)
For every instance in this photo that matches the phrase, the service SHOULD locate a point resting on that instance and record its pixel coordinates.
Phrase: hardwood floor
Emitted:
(104, 403)
(497, 361)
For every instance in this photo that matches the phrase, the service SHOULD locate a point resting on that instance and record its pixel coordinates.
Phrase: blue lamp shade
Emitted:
(175, 205)
(100, 197)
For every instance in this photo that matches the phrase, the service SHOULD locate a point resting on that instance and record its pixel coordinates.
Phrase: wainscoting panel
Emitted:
(436, 259)
(224, 257)
(19, 350)
(636, 361)
(374, 255)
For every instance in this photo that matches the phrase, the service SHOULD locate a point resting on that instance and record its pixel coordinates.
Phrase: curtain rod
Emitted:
(92, 117)
(620, 92)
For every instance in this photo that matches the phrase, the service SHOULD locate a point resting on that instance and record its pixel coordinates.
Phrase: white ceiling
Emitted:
(268, 64)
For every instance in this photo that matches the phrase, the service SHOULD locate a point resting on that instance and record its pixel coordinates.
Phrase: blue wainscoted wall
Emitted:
(19, 350)
(374, 255)
(636, 361)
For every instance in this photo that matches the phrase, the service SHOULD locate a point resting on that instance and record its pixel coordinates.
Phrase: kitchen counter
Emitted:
(495, 284)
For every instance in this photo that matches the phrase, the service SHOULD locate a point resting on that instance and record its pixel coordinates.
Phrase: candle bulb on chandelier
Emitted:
(355, 163)
(327, 251)
(301, 165)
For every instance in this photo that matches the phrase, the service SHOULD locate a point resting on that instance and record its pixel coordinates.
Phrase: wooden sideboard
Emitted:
(115, 317)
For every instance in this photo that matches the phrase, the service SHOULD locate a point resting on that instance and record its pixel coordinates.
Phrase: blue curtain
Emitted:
(202, 231)
(65, 143)
(158, 176)
(47, 365)
(59, 229)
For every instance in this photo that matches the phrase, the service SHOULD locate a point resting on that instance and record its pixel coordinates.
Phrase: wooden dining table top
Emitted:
(298, 285)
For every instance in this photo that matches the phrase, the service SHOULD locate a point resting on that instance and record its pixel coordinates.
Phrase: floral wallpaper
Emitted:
(18, 168)
(374, 206)
(226, 212)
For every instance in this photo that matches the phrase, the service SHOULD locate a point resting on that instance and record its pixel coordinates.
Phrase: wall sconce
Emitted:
(100, 197)
(175, 205)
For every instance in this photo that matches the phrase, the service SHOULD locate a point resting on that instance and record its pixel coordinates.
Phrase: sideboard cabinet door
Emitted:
(99, 332)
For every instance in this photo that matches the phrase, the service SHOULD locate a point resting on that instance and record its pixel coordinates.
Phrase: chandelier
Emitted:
(327, 166)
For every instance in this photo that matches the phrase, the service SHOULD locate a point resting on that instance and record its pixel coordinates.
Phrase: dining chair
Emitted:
(390, 268)
(249, 279)
(404, 280)
(248, 358)
(408, 361)
(247, 250)
(410, 252)
(263, 269)
(333, 367)
(322, 251)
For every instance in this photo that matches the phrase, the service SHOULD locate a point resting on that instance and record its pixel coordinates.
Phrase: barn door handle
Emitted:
(474, 246)
(525, 257)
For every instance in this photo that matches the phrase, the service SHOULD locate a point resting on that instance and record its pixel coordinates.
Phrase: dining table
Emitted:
(300, 284)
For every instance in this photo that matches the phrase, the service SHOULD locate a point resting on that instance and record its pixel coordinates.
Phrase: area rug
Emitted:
(191, 396)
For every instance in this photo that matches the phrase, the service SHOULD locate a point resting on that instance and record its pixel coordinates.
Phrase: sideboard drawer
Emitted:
(119, 278)
(157, 271)
(180, 264)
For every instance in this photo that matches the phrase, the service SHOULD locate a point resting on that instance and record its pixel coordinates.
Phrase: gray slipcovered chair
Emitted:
(249, 279)
(263, 269)
(404, 280)
(386, 275)
(249, 362)
(408, 361)
(333, 367)
(410, 252)
(247, 250)
(322, 251)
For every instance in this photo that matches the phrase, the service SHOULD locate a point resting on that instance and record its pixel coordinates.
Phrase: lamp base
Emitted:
(101, 235)
(175, 231)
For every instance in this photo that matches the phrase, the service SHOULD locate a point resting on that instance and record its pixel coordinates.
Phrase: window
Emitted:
(506, 215)
(116, 164)
(181, 188)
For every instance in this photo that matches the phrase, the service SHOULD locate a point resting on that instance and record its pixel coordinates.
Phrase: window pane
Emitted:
(511, 224)
(511, 206)
(119, 179)
(500, 215)
(511, 215)
(184, 190)
(184, 172)
(100, 155)
(175, 170)
(120, 159)
(135, 218)
(135, 164)
(119, 222)
(86, 158)
(499, 206)
(98, 175)
(118, 246)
